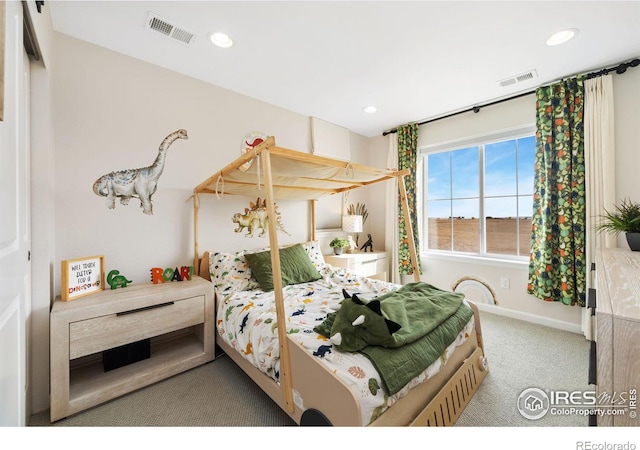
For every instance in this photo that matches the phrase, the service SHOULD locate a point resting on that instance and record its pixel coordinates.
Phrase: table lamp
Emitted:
(352, 224)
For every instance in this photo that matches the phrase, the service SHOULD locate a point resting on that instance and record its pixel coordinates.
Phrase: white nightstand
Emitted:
(368, 264)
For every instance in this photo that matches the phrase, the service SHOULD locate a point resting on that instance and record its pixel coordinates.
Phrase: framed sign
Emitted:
(82, 276)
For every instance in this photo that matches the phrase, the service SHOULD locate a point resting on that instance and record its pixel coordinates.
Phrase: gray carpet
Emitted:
(520, 355)
(215, 394)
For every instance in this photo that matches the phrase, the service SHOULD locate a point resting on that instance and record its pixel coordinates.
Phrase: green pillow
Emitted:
(295, 266)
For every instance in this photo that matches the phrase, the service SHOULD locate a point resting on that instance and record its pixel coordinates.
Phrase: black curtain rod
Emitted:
(619, 69)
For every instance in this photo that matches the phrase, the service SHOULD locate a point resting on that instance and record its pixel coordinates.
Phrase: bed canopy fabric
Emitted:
(277, 173)
(295, 175)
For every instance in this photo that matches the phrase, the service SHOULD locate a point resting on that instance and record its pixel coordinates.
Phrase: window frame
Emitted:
(458, 144)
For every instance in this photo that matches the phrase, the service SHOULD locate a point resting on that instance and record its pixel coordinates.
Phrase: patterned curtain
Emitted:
(408, 159)
(557, 265)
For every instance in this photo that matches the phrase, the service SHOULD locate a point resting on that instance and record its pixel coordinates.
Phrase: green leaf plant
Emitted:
(624, 219)
(338, 242)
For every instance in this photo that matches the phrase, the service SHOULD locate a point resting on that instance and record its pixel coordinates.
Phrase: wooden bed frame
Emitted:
(437, 402)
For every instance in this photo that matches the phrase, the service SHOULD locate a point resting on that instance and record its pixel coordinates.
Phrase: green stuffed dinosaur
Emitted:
(402, 332)
(358, 324)
(394, 319)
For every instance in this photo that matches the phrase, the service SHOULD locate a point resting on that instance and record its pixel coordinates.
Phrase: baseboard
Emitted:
(527, 317)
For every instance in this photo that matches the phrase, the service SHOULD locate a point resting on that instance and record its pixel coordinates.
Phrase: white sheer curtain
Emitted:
(391, 216)
(600, 168)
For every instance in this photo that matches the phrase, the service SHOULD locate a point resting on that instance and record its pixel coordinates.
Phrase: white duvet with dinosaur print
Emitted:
(246, 320)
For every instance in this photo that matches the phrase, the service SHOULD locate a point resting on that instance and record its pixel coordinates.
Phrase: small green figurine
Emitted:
(115, 280)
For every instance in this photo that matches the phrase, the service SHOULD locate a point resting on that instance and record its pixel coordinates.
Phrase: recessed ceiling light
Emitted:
(370, 109)
(562, 36)
(221, 40)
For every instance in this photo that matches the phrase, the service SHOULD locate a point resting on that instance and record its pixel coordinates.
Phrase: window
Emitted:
(479, 197)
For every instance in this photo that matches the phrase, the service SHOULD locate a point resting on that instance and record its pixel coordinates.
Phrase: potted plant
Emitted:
(338, 245)
(625, 219)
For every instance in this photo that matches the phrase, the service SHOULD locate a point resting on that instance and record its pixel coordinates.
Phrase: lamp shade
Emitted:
(352, 224)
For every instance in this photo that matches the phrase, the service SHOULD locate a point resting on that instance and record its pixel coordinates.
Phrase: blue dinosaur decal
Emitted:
(299, 312)
(244, 323)
(322, 351)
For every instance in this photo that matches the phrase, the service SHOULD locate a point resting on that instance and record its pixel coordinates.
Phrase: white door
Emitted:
(15, 283)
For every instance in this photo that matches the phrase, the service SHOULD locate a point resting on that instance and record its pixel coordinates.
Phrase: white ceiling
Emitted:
(414, 60)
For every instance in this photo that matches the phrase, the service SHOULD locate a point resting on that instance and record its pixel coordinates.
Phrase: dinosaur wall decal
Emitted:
(136, 183)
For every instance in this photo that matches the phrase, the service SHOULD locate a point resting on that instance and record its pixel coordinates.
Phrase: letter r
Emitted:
(156, 275)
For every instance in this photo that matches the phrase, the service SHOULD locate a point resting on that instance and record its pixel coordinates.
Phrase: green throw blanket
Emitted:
(430, 319)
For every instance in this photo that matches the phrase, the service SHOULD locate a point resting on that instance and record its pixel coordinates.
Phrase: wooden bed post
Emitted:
(312, 205)
(285, 363)
(196, 256)
(409, 228)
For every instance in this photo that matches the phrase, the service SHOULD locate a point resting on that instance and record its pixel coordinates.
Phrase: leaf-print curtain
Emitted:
(408, 159)
(557, 265)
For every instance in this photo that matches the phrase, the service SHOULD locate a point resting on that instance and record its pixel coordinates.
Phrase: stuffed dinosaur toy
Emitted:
(392, 320)
(358, 324)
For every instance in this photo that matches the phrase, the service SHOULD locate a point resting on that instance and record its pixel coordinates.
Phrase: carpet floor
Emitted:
(520, 354)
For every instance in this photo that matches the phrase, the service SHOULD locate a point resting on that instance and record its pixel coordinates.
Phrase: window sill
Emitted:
(476, 259)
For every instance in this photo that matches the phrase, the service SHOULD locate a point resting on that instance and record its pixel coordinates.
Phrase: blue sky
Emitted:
(454, 180)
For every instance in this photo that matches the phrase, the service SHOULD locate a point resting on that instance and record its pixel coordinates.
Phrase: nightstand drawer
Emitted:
(372, 267)
(101, 333)
(367, 264)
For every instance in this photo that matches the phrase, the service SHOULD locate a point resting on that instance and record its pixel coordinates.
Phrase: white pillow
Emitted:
(315, 254)
(230, 272)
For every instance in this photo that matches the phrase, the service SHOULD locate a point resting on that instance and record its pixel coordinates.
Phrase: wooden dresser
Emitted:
(618, 331)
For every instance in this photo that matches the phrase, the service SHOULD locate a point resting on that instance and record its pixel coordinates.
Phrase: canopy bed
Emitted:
(293, 363)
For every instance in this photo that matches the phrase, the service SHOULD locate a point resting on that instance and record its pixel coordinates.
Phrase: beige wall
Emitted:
(371, 196)
(111, 113)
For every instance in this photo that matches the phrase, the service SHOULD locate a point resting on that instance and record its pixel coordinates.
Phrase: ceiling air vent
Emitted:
(530, 75)
(160, 25)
